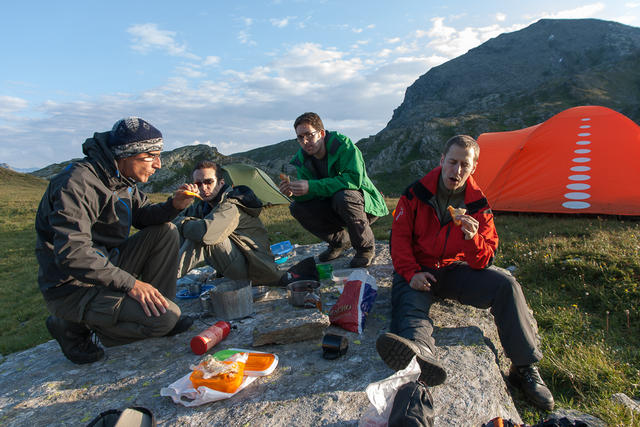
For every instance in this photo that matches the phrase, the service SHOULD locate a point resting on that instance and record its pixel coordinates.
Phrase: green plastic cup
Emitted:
(325, 271)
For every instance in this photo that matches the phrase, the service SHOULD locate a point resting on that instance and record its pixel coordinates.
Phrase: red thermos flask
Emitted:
(211, 336)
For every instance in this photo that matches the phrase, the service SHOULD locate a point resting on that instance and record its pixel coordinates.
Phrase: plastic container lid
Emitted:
(281, 248)
(258, 364)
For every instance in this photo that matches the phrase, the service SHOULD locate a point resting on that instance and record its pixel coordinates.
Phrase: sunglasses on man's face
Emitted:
(207, 181)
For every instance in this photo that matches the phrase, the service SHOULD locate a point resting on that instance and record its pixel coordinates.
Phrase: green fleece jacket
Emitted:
(346, 172)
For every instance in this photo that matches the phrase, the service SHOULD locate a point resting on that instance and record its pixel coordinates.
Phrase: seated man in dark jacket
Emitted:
(333, 191)
(93, 275)
(224, 229)
(449, 255)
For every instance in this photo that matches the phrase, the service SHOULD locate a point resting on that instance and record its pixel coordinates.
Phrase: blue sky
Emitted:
(233, 75)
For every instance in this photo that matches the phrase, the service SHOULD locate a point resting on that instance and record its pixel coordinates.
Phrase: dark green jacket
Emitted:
(86, 212)
(346, 172)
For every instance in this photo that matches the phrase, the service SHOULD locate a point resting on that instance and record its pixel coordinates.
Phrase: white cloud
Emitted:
(281, 23)
(190, 72)
(358, 44)
(501, 17)
(394, 40)
(421, 34)
(211, 60)
(452, 42)
(586, 11)
(632, 4)
(11, 104)
(244, 35)
(148, 37)
(627, 19)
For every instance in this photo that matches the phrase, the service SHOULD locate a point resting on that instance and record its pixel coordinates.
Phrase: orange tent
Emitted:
(582, 160)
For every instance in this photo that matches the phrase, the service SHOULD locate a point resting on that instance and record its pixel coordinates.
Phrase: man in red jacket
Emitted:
(434, 256)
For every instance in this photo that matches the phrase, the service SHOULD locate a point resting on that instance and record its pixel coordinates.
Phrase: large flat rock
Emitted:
(40, 387)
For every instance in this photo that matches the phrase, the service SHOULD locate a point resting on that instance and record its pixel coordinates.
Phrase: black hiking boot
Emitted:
(527, 379)
(362, 258)
(397, 352)
(74, 340)
(331, 253)
(183, 324)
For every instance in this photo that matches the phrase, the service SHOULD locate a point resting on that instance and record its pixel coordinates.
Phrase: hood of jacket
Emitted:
(97, 152)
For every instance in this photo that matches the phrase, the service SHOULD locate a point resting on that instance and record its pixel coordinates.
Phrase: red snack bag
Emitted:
(351, 310)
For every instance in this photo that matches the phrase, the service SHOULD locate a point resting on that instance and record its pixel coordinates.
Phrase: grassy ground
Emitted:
(581, 277)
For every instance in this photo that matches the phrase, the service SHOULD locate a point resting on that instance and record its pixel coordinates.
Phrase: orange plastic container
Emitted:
(258, 362)
(226, 383)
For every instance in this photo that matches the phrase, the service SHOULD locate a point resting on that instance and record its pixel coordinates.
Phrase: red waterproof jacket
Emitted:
(419, 239)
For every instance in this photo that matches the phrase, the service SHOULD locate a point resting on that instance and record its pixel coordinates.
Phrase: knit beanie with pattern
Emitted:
(133, 135)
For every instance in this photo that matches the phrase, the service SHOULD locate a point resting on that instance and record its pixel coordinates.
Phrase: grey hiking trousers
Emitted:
(327, 218)
(228, 260)
(488, 288)
(151, 255)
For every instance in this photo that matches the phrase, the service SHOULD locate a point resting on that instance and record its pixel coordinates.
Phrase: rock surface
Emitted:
(284, 324)
(40, 387)
(624, 400)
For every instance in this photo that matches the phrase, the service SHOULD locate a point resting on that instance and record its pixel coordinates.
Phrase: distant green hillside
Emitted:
(17, 181)
(272, 158)
(264, 154)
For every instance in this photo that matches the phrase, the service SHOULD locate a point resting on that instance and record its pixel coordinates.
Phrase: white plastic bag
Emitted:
(182, 392)
(382, 393)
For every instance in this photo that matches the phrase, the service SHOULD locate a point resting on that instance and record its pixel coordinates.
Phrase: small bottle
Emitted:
(211, 336)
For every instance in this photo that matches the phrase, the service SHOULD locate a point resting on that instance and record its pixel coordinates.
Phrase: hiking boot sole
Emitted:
(397, 352)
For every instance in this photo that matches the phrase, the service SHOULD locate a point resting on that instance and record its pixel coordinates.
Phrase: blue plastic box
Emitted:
(281, 251)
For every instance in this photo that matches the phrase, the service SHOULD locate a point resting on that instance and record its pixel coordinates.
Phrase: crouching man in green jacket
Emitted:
(333, 191)
(224, 230)
(93, 275)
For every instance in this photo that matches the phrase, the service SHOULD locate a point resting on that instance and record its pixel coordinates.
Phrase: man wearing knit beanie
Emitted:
(94, 275)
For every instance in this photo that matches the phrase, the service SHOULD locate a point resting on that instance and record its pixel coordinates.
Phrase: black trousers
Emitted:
(327, 219)
(487, 288)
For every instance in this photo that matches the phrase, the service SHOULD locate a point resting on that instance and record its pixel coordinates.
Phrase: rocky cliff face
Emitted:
(510, 82)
